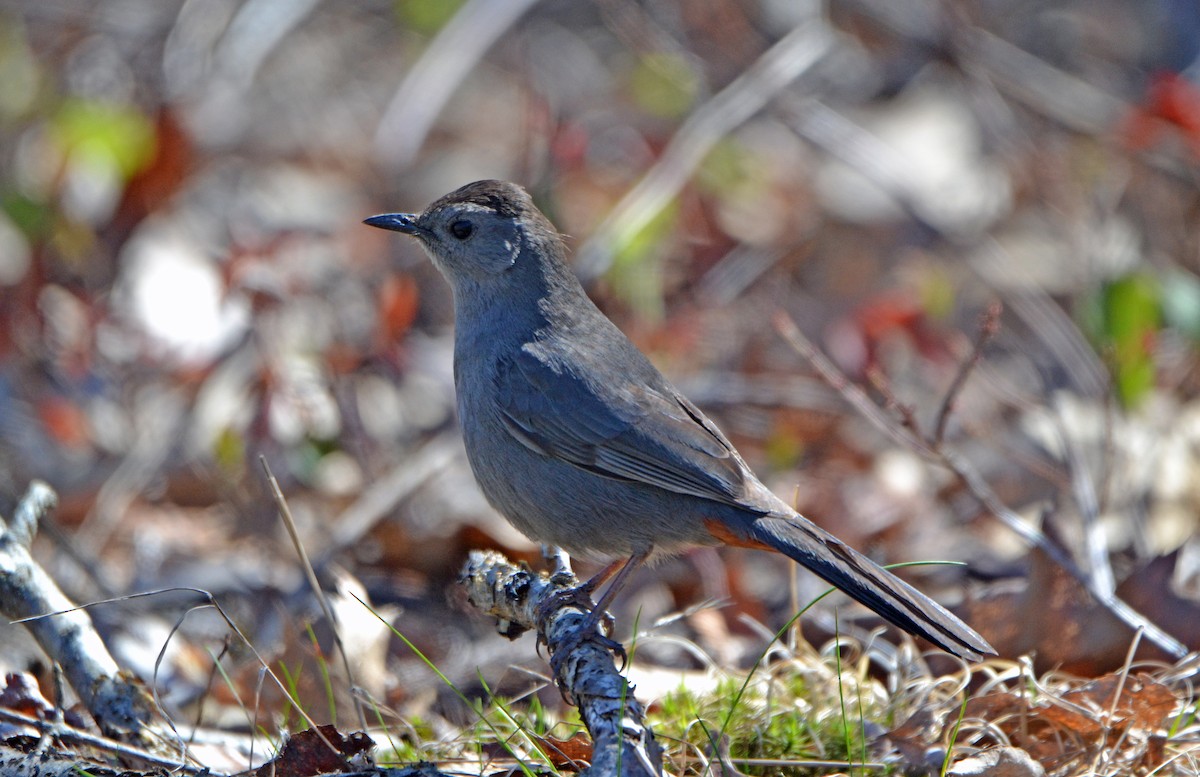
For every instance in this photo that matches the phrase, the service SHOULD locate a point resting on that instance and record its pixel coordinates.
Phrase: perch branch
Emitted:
(622, 743)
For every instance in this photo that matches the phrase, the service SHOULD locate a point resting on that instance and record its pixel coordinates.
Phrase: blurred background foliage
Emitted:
(185, 285)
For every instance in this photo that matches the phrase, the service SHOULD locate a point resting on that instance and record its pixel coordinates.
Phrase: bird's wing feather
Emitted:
(635, 428)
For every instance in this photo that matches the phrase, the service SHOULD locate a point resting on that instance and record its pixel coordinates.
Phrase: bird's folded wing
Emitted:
(626, 428)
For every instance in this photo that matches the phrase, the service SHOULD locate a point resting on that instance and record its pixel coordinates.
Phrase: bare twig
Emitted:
(1095, 539)
(974, 482)
(379, 498)
(433, 80)
(780, 65)
(845, 140)
(210, 601)
(987, 330)
(257, 30)
(1046, 319)
(39, 501)
(857, 398)
(65, 733)
(285, 513)
(1054, 93)
(120, 706)
(907, 416)
(1050, 324)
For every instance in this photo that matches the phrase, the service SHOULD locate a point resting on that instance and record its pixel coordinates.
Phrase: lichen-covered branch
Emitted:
(622, 743)
(66, 635)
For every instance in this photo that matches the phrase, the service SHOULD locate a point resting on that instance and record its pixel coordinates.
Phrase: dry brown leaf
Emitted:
(309, 752)
(566, 753)
(1143, 704)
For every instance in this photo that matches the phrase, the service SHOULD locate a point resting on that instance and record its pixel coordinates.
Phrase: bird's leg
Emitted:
(623, 572)
(581, 596)
(559, 561)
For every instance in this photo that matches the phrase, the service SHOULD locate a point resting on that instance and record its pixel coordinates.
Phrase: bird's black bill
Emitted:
(396, 222)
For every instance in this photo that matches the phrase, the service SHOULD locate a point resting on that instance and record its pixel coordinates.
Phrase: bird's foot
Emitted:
(574, 639)
(595, 628)
(598, 624)
(578, 596)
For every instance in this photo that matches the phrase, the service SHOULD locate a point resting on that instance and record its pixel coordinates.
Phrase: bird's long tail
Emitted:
(865, 581)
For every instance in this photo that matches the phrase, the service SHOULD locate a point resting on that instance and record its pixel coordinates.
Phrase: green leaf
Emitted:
(229, 452)
(636, 272)
(427, 16)
(1132, 315)
(664, 84)
(107, 134)
(33, 217)
(727, 166)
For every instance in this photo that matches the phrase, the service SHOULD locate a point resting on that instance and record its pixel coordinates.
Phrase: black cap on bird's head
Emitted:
(476, 231)
(500, 197)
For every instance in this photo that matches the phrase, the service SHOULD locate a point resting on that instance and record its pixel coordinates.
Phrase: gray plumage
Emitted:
(580, 441)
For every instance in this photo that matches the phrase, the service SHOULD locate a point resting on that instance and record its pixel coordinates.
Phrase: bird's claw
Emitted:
(579, 597)
(572, 641)
(595, 628)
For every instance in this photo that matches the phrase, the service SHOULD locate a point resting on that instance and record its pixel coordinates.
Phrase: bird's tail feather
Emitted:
(863, 580)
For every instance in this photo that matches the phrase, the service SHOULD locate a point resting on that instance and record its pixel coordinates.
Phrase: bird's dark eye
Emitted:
(462, 229)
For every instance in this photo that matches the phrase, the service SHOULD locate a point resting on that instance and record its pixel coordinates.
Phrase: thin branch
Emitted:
(1095, 537)
(210, 601)
(119, 705)
(975, 484)
(38, 503)
(907, 416)
(838, 381)
(434, 79)
(285, 513)
(66, 733)
(1053, 92)
(987, 331)
(792, 56)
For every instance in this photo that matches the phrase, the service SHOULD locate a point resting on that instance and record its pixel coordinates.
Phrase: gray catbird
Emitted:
(580, 442)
